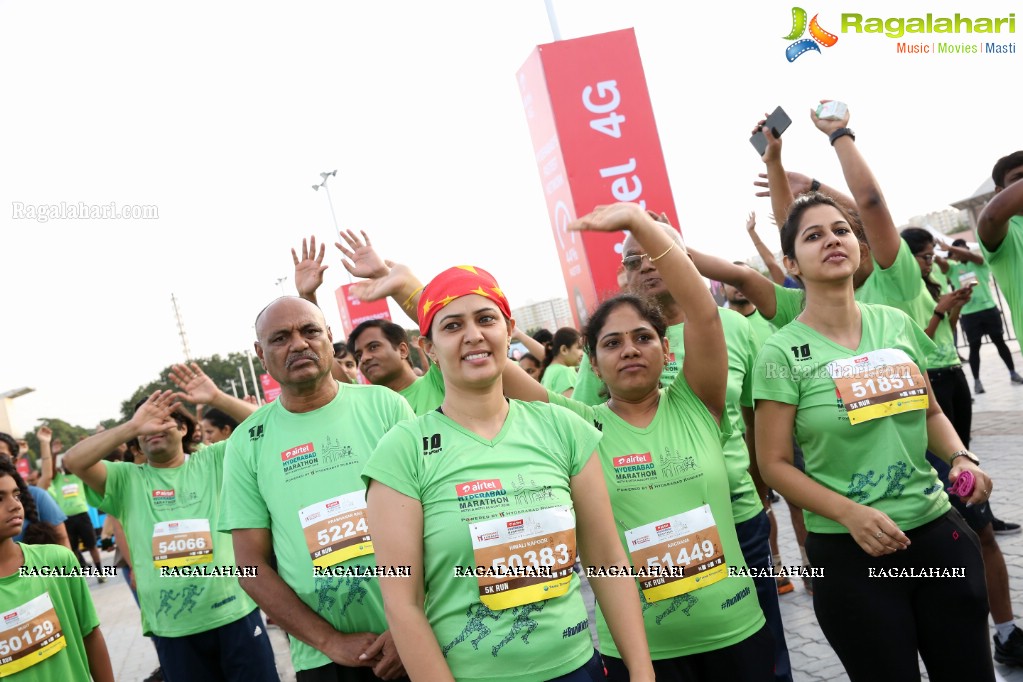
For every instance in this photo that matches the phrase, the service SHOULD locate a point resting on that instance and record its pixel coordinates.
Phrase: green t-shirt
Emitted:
(22, 598)
(69, 491)
(902, 286)
(559, 378)
(1007, 266)
(464, 479)
(288, 472)
(879, 463)
(425, 393)
(152, 505)
(742, 351)
(981, 298)
(762, 329)
(670, 467)
(788, 305)
(899, 286)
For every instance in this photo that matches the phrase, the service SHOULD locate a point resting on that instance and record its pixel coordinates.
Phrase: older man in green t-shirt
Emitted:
(293, 488)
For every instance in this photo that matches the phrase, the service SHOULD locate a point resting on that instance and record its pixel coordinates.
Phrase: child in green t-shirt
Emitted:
(48, 625)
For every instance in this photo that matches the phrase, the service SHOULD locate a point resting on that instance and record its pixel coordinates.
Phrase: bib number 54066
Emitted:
(181, 545)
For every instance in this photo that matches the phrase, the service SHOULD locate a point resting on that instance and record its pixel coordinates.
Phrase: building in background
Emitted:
(945, 222)
(551, 314)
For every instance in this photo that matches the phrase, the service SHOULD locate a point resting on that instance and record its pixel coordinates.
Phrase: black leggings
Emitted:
(751, 660)
(976, 325)
(953, 395)
(877, 624)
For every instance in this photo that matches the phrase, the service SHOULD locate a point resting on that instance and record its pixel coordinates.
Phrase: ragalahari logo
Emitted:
(817, 35)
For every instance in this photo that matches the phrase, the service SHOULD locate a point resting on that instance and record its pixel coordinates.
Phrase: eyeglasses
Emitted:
(926, 258)
(633, 263)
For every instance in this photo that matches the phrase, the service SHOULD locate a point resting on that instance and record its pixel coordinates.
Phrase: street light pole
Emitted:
(326, 175)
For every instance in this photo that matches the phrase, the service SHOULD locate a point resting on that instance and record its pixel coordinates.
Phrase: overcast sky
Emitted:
(223, 114)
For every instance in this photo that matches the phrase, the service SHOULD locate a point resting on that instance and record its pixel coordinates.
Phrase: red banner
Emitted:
(354, 312)
(271, 389)
(595, 142)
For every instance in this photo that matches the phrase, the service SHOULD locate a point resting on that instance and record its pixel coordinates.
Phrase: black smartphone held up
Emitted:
(778, 122)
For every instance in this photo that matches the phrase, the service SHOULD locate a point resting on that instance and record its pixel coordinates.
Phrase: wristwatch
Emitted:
(963, 453)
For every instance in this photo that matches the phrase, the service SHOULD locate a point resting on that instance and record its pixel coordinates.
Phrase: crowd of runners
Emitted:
(438, 520)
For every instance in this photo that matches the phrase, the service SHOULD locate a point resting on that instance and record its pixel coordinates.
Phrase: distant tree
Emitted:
(68, 434)
(222, 370)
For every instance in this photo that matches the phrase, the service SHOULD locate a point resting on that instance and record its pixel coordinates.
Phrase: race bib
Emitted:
(530, 557)
(69, 490)
(336, 529)
(879, 384)
(967, 278)
(677, 554)
(29, 634)
(182, 543)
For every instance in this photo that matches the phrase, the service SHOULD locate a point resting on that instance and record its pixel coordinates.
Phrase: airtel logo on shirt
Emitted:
(478, 486)
(631, 460)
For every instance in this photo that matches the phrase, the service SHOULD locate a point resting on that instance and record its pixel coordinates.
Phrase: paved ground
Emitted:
(997, 427)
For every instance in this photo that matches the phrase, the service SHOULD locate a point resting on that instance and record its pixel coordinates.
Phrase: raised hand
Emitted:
(828, 126)
(154, 415)
(195, 387)
(389, 284)
(309, 270)
(798, 183)
(44, 434)
(610, 218)
(751, 221)
(364, 262)
(773, 150)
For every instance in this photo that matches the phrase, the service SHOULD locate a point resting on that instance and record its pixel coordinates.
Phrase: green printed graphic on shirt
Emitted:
(462, 479)
(44, 619)
(673, 466)
(1007, 266)
(879, 462)
(281, 464)
(150, 502)
(69, 491)
(427, 392)
(559, 378)
(961, 274)
(741, 344)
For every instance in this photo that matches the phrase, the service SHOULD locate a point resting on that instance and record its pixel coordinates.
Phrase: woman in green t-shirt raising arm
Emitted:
(850, 380)
(480, 501)
(665, 471)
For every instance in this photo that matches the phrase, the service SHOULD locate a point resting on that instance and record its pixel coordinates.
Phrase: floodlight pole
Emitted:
(553, 19)
(327, 175)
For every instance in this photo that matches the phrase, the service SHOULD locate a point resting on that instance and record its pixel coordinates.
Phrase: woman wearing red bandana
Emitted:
(483, 500)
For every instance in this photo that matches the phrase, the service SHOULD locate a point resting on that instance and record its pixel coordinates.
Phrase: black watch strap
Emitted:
(841, 132)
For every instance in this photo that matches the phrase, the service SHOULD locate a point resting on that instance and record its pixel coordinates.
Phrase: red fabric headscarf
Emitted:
(456, 282)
